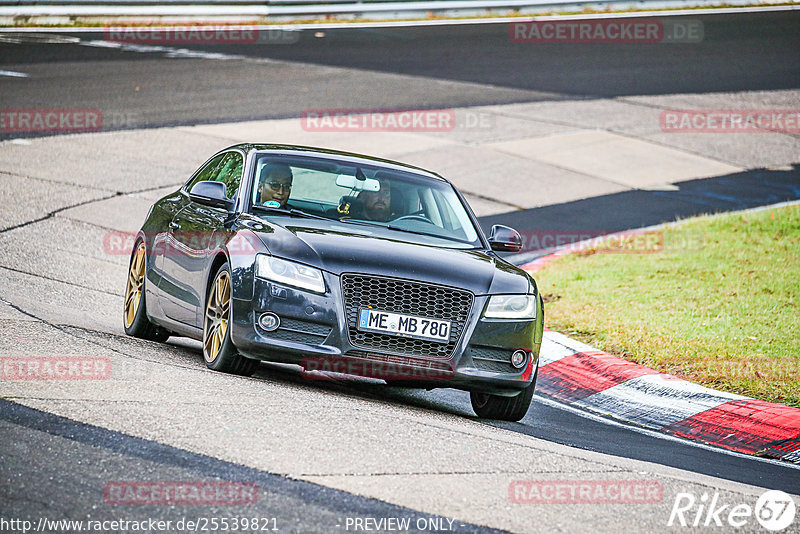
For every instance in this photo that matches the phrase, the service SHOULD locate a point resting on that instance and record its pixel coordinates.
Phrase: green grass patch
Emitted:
(714, 300)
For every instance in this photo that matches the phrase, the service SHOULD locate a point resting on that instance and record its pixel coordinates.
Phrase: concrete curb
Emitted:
(582, 376)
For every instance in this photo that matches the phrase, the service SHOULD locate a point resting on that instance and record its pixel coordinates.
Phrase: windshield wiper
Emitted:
(358, 221)
(292, 211)
(440, 236)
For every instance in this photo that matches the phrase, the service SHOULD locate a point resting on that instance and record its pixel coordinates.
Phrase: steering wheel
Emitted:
(414, 217)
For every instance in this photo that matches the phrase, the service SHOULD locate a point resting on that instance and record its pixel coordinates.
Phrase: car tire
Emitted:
(134, 314)
(219, 352)
(514, 408)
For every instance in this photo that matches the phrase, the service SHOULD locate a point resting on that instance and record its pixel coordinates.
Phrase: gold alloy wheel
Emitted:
(217, 312)
(133, 289)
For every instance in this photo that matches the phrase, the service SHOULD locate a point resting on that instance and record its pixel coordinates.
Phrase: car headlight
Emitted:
(289, 273)
(511, 307)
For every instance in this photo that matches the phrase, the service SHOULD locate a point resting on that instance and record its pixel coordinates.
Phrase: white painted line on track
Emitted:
(172, 52)
(655, 434)
(45, 36)
(13, 74)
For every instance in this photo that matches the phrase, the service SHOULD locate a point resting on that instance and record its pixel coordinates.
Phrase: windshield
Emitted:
(396, 200)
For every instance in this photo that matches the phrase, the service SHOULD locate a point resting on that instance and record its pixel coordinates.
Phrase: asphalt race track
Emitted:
(321, 452)
(399, 68)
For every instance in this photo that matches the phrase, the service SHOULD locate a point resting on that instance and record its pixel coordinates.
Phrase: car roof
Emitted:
(347, 157)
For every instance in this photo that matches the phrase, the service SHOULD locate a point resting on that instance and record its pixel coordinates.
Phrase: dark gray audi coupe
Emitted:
(340, 263)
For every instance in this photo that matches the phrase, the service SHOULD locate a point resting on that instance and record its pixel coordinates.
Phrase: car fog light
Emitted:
(518, 359)
(269, 321)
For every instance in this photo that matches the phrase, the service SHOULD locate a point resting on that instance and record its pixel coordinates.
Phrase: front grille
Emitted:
(300, 331)
(492, 359)
(407, 297)
(305, 326)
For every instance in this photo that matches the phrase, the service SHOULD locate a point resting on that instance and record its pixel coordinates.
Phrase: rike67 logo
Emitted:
(774, 510)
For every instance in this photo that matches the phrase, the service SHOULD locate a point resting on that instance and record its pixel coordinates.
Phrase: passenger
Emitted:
(275, 184)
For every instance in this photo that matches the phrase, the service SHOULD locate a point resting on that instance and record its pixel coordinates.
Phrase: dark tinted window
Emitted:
(225, 168)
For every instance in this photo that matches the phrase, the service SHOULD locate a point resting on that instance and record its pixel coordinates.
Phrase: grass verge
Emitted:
(713, 300)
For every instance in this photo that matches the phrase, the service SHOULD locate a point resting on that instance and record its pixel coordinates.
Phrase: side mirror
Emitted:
(211, 194)
(505, 239)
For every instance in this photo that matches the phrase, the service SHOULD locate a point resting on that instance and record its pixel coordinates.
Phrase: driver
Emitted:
(275, 184)
(378, 204)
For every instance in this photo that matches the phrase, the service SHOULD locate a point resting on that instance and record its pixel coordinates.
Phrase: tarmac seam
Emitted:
(64, 329)
(53, 213)
(57, 182)
(491, 199)
(20, 271)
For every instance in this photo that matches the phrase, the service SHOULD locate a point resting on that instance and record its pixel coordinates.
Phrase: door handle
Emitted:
(174, 226)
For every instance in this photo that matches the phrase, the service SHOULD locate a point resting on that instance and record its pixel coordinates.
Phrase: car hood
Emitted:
(340, 247)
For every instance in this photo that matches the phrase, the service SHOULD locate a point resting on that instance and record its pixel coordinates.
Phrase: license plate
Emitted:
(403, 325)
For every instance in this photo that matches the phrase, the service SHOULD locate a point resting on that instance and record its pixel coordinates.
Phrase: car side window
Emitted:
(225, 168)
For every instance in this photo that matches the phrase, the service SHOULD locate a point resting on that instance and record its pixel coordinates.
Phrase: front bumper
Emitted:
(314, 334)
